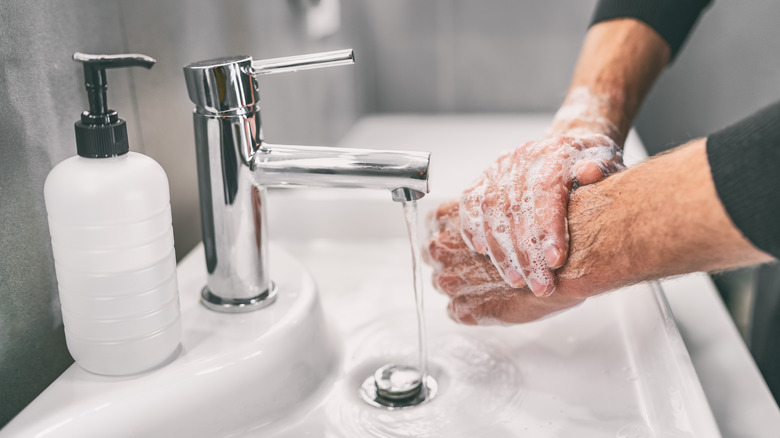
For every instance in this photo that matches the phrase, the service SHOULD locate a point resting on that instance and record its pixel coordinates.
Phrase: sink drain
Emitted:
(398, 386)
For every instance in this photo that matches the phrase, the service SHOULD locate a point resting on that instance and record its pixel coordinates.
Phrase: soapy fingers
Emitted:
(477, 292)
(457, 269)
(515, 212)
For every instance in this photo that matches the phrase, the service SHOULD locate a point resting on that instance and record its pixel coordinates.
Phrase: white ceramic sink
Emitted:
(614, 367)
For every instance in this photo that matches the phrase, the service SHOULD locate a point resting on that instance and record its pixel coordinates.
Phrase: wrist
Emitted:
(585, 112)
(619, 62)
(600, 258)
(658, 219)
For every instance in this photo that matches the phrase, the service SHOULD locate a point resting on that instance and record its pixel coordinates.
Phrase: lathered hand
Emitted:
(477, 292)
(516, 211)
(621, 234)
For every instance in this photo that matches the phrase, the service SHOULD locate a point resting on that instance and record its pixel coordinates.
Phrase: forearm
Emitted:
(515, 212)
(619, 62)
(655, 220)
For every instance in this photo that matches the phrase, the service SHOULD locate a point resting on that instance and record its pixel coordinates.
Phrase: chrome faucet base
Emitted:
(238, 305)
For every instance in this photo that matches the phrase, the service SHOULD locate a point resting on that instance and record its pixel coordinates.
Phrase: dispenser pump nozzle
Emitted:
(101, 133)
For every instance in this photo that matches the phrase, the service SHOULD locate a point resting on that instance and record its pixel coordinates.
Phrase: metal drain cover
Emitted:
(398, 386)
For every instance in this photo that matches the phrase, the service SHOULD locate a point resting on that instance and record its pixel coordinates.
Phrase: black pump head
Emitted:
(101, 133)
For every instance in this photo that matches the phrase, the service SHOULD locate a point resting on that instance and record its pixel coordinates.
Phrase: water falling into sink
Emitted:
(395, 386)
(410, 214)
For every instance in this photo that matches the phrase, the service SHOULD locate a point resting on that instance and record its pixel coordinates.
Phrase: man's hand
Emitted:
(655, 220)
(478, 294)
(516, 211)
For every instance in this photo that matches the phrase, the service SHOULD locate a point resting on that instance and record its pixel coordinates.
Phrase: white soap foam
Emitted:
(509, 213)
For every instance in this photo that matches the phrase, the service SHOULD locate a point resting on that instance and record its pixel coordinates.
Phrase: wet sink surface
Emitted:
(612, 367)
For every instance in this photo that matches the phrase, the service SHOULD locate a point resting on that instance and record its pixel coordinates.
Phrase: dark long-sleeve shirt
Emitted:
(744, 158)
(672, 19)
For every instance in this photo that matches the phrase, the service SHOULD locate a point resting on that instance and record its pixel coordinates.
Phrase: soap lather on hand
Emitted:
(477, 292)
(515, 212)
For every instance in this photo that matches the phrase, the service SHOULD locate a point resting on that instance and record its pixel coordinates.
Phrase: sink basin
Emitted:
(615, 366)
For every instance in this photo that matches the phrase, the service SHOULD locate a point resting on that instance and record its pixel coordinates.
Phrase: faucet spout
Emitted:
(313, 166)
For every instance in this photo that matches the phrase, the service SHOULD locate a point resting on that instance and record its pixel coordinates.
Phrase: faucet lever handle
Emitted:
(303, 62)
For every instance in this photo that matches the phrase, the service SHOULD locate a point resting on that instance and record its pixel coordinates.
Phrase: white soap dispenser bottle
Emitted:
(110, 222)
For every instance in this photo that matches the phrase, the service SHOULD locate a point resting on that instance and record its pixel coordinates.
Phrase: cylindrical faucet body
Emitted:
(227, 135)
(232, 212)
(235, 166)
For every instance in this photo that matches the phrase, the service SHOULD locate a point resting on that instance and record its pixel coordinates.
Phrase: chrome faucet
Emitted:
(235, 166)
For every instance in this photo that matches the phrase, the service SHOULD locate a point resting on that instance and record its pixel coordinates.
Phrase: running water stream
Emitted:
(411, 216)
(397, 386)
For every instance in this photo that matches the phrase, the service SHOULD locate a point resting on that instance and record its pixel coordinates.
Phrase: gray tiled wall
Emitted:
(474, 56)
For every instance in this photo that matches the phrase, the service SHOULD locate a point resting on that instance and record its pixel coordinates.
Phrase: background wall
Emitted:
(427, 56)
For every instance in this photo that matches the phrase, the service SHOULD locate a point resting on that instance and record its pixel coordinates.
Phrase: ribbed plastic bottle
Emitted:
(110, 223)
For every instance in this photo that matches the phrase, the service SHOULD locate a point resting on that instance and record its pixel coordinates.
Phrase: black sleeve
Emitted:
(745, 163)
(672, 19)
